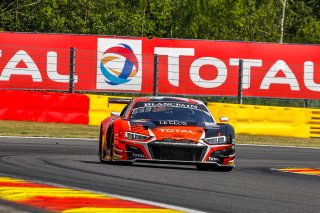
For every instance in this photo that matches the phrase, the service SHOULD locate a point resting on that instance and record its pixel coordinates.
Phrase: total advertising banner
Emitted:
(185, 67)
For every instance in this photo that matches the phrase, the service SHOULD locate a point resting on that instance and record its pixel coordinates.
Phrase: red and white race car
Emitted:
(167, 130)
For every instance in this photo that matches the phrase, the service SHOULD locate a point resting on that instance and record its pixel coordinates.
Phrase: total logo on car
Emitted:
(167, 130)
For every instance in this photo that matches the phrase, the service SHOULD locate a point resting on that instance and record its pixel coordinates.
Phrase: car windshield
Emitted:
(171, 111)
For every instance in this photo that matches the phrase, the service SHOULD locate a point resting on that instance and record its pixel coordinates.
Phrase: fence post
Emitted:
(240, 81)
(72, 64)
(156, 77)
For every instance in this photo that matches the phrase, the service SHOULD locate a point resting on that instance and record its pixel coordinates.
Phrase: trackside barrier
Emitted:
(100, 108)
(92, 109)
(247, 119)
(44, 107)
(265, 120)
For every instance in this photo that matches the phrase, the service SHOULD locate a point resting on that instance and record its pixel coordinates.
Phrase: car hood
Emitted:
(146, 123)
(172, 130)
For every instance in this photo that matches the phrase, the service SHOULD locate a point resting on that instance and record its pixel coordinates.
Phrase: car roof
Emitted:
(167, 99)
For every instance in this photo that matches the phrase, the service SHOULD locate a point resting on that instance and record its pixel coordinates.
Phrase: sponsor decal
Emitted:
(137, 155)
(265, 73)
(24, 64)
(173, 123)
(141, 110)
(177, 131)
(213, 159)
(119, 64)
(186, 67)
(172, 104)
(176, 143)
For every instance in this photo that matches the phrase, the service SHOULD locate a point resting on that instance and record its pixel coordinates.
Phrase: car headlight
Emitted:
(215, 140)
(135, 136)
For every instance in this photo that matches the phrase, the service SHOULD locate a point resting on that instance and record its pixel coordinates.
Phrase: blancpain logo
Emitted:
(177, 131)
(172, 104)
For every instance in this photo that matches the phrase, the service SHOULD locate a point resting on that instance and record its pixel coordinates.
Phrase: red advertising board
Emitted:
(189, 67)
(44, 107)
(41, 61)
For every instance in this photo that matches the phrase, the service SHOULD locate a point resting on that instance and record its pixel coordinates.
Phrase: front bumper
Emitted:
(176, 153)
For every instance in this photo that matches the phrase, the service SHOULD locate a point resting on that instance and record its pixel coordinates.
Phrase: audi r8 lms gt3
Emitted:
(167, 130)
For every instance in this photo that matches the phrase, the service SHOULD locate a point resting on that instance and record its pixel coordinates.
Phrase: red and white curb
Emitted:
(304, 171)
(55, 198)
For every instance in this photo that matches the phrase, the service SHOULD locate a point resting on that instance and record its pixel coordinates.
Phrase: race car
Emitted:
(167, 130)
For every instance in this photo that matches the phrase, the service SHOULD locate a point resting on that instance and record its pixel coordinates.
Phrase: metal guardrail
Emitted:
(43, 69)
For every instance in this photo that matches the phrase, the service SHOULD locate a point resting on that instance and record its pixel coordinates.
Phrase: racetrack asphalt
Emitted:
(253, 186)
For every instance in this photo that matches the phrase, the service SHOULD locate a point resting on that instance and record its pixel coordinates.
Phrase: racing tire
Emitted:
(110, 151)
(111, 161)
(102, 152)
(101, 155)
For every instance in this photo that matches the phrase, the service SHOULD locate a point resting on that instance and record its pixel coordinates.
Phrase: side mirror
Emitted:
(224, 119)
(116, 114)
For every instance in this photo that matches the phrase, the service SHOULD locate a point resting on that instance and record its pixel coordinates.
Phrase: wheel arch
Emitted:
(230, 131)
(108, 136)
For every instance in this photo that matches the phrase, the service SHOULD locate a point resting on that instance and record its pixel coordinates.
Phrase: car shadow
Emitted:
(148, 165)
(165, 166)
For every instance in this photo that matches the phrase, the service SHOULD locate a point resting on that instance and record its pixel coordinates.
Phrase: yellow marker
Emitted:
(23, 193)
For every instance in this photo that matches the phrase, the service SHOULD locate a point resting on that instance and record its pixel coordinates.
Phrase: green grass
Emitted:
(279, 141)
(38, 129)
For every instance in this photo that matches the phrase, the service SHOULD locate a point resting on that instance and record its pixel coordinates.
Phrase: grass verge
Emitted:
(38, 129)
(278, 141)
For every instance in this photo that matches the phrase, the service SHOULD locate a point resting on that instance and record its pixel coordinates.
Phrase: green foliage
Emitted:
(247, 20)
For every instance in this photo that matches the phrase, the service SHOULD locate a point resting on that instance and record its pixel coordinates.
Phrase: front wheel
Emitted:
(101, 150)
(106, 151)
(109, 152)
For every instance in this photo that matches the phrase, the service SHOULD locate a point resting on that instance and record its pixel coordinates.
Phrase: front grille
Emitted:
(179, 152)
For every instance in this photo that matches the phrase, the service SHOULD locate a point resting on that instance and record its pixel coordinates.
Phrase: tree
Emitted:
(246, 20)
